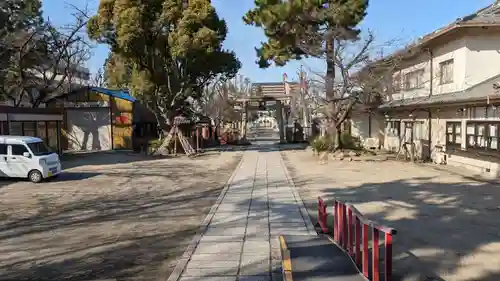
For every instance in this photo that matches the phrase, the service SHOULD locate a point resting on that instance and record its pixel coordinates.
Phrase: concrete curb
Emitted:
(303, 210)
(186, 256)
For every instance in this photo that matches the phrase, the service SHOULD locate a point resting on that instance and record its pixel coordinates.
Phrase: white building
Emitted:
(80, 76)
(444, 96)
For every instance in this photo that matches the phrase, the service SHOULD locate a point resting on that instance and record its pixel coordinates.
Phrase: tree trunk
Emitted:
(164, 125)
(330, 69)
(330, 86)
(339, 137)
(160, 123)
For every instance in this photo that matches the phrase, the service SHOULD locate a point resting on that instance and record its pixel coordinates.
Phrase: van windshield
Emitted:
(39, 148)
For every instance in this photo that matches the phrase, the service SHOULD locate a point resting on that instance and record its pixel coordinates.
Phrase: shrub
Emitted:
(320, 144)
(153, 145)
(350, 142)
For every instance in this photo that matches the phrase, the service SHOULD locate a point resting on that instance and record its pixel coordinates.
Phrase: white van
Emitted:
(27, 157)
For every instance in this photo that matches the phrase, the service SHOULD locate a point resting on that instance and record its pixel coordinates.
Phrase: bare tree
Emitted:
(360, 81)
(219, 98)
(97, 79)
(43, 62)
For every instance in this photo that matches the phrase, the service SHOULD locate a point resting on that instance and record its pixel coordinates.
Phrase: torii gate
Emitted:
(275, 96)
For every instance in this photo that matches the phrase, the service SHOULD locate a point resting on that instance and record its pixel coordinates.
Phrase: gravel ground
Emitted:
(110, 216)
(448, 223)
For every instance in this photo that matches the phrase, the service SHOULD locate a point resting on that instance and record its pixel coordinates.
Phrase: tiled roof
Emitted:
(272, 88)
(473, 93)
(487, 15)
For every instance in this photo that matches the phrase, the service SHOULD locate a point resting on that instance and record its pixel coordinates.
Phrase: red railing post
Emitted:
(341, 225)
(344, 226)
(365, 264)
(375, 255)
(335, 221)
(325, 218)
(357, 255)
(322, 215)
(350, 242)
(319, 211)
(388, 257)
(351, 231)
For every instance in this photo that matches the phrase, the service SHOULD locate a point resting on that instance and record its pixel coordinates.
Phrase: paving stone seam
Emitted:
(272, 264)
(186, 256)
(302, 206)
(270, 267)
(248, 212)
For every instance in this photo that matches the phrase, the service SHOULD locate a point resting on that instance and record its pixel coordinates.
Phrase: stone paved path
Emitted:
(241, 240)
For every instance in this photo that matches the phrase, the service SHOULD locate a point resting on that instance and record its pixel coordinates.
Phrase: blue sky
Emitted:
(388, 19)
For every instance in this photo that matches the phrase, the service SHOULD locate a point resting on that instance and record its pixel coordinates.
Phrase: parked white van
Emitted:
(27, 157)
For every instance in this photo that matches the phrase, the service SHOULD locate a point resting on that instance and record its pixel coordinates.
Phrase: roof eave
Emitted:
(422, 44)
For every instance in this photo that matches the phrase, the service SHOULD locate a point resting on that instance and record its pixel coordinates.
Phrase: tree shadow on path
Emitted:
(448, 228)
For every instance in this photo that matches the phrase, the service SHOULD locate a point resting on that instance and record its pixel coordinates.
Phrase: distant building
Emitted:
(78, 77)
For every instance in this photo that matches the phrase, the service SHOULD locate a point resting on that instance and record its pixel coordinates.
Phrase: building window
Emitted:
(414, 79)
(446, 72)
(393, 128)
(453, 134)
(483, 135)
(396, 83)
(16, 128)
(491, 112)
(52, 135)
(492, 138)
(29, 129)
(418, 130)
(42, 130)
(4, 128)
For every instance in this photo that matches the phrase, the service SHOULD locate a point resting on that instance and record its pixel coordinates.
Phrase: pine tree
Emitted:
(305, 28)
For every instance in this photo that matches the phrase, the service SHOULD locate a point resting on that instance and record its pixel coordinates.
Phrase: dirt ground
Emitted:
(448, 224)
(110, 216)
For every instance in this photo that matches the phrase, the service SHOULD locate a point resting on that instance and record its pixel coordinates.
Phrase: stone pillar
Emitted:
(279, 117)
(244, 118)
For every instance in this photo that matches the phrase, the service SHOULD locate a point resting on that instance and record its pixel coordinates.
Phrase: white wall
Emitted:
(476, 59)
(360, 126)
(455, 50)
(483, 57)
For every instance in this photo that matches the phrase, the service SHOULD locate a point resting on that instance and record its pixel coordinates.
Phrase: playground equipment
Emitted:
(175, 134)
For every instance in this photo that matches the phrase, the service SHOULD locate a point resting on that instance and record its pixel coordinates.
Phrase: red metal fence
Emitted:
(322, 215)
(351, 231)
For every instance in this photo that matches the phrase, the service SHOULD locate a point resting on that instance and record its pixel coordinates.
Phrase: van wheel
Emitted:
(35, 176)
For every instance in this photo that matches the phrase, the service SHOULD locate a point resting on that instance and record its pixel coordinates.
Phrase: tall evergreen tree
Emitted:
(16, 15)
(305, 28)
(166, 51)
